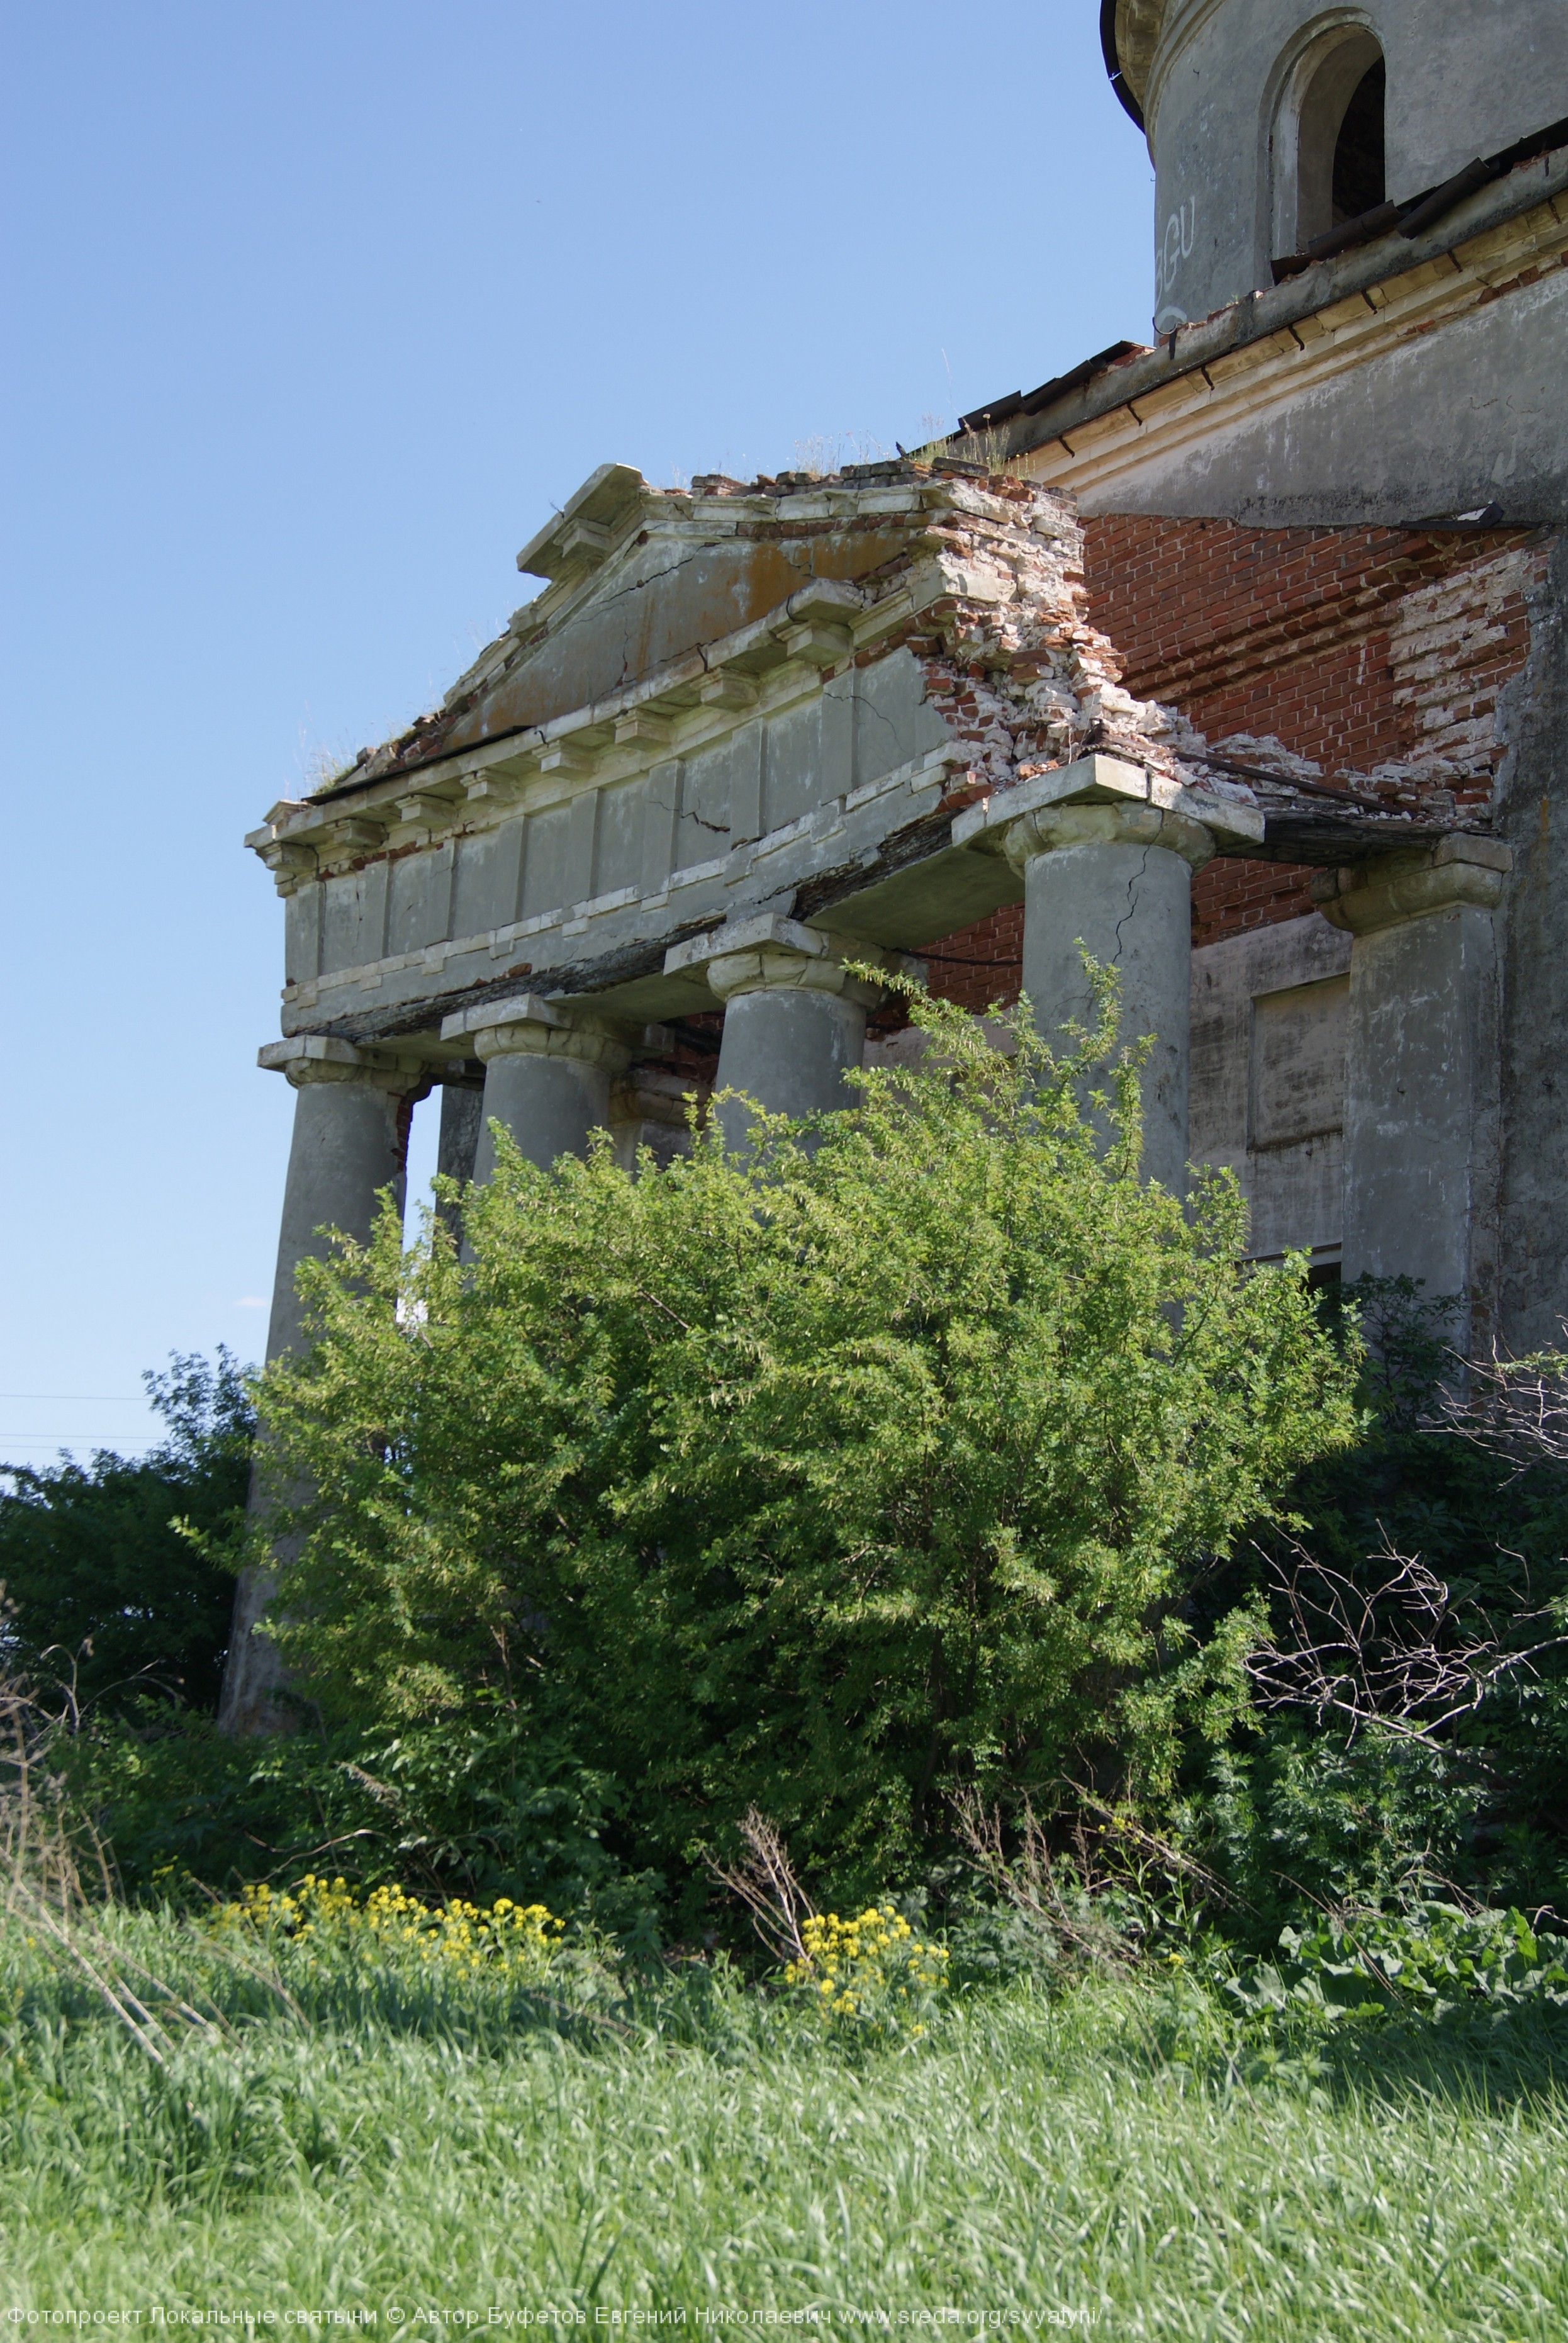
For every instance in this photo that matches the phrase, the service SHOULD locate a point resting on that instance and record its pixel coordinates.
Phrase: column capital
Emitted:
(1132, 806)
(306, 1058)
(525, 1025)
(1123, 824)
(1364, 896)
(769, 954)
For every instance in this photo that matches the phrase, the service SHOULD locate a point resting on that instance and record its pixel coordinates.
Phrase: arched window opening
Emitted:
(1359, 184)
(1328, 149)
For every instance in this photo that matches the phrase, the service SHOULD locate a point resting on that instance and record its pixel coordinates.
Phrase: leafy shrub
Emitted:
(1431, 1959)
(115, 1570)
(1297, 1819)
(877, 1461)
(478, 1810)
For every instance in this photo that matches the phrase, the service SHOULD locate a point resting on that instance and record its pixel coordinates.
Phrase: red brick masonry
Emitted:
(1361, 649)
(1357, 647)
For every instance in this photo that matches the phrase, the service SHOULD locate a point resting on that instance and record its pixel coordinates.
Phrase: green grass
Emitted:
(1110, 2153)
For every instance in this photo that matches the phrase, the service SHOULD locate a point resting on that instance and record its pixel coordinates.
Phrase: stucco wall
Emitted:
(1466, 78)
(1437, 423)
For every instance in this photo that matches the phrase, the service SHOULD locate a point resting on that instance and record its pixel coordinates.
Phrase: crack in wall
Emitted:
(1131, 904)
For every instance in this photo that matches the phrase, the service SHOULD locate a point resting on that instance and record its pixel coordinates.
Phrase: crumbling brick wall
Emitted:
(1381, 651)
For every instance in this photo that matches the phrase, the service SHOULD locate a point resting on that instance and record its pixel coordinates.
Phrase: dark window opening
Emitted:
(1359, 177)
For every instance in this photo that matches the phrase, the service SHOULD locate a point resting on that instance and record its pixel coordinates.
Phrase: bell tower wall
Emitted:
(1255, 108)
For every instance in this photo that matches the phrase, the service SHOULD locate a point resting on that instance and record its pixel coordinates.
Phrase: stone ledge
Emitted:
(1399, 887)
(1103, 781)
(769, 952)
(321, 1058)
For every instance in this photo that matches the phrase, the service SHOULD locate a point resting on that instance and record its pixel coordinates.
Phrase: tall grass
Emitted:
(451, 2144)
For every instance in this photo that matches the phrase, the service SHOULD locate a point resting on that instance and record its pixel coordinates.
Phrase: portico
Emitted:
(859, 715)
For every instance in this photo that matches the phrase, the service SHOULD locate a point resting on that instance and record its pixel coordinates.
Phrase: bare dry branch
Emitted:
(766, 1883)
(1031, 1881)
(1394, 1649)
(1514, 1409)
(1158, 1852)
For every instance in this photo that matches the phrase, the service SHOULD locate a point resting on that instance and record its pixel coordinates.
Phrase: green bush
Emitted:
(1291, 1819)
(113, 1571)
(478, 1808)
(879, 1459)
(1431, 1960)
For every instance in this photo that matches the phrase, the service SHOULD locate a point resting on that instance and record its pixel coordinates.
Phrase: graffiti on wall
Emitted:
(1173, 247)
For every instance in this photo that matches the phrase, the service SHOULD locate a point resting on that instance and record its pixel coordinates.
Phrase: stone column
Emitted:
(462, 1120)
(794, 1015)
(1115, 878)
(1422, 1109)
(350, 1137)
(549, 1069)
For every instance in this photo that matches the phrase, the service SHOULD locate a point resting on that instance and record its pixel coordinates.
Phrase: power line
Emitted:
(136, 1440)
(89, 1399)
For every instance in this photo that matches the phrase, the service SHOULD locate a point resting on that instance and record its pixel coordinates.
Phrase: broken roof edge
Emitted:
(607, 496)
(1254, 316)
(1030, 402)
(425, 754)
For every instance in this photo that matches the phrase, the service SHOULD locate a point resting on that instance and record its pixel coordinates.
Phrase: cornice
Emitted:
(1332, 314)
(690, 705)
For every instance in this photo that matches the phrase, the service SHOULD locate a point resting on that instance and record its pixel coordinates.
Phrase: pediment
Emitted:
(641, 579)
(657, 581)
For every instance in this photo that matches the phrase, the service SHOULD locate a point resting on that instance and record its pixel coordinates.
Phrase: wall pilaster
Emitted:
(1421, 1071)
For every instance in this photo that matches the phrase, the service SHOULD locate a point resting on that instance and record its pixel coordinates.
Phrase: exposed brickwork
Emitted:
(1379, 652)
(1361, 648)
(1229, 897)
(982, 965)
(1453, 649)
(1281, 630)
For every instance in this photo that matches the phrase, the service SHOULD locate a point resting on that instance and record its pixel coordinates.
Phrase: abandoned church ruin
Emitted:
(1238, 657)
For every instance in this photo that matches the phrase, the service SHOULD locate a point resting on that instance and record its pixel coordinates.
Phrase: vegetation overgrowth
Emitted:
(882, 1459)
(118, 1573)
(348, 2135)
(1160, 1675)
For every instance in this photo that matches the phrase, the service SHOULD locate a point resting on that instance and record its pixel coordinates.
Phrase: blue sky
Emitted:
(314, 311)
